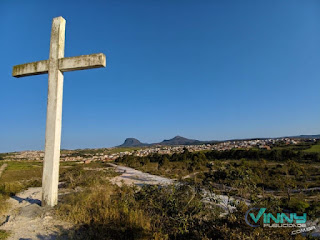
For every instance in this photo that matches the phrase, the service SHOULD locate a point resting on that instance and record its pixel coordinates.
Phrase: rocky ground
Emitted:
(27, 220)
(131, 176)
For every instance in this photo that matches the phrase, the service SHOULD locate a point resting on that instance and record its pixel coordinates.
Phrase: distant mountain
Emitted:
(178, 140)
(132, 142)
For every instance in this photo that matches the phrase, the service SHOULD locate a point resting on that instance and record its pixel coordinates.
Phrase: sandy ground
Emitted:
(131, 176)
(27, 220)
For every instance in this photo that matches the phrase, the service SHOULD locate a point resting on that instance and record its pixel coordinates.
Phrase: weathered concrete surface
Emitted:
(28, 69)
(55, 67)
(50, 177)
(82, 62)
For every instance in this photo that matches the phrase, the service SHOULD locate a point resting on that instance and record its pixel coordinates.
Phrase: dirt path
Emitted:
(2, 168)
(131, 176)
(27, 220)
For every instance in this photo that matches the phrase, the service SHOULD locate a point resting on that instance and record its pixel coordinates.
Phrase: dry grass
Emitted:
(21, 175)
(103, 215)
(4, 205)
(101, 210)
(4, 235)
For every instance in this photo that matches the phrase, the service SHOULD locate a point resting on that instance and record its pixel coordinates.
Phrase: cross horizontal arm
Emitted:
(28, 69)
(82, 62)
(65, 65)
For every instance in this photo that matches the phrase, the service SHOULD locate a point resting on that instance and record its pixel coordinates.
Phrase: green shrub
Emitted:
(298, 205)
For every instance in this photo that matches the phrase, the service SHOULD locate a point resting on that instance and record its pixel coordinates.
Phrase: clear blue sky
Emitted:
(201, 69)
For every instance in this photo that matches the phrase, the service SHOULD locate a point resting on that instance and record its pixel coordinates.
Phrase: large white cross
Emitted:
(55, 66)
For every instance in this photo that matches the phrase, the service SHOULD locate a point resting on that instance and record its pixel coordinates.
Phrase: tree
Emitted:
(164, 162)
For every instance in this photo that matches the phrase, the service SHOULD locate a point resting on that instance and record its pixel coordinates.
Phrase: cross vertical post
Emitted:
(50, 177)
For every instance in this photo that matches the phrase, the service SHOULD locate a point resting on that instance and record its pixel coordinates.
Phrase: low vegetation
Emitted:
(101, 210)
(4, 235)
(283, 179)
